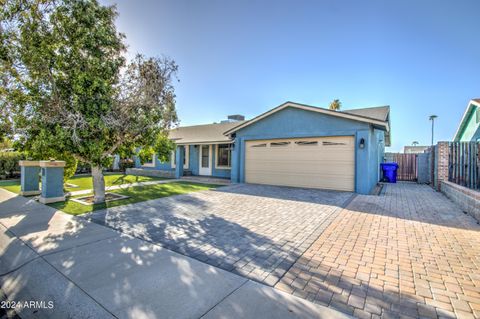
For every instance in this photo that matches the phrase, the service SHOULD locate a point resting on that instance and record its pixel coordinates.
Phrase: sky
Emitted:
(246, 57)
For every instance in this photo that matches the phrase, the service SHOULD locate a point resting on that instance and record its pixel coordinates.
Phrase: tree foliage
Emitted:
(69, 88)
(335, 105)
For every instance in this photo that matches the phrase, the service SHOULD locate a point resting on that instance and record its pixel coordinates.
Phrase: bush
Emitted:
(70, 166)
(9, 163)
(126, 163)
(83, 168)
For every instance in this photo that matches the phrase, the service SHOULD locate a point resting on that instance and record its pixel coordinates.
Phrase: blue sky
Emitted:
(246, 57)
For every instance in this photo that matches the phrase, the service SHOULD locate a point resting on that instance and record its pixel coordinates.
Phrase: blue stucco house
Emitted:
(469, 128)
(291, 145)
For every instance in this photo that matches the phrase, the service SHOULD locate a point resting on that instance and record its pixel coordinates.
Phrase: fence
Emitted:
(464, 164)
(407, 166)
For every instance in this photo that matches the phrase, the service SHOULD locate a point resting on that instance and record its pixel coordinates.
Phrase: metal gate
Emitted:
(407, 166)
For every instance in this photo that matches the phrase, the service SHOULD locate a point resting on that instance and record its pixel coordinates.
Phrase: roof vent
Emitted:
(236, 117)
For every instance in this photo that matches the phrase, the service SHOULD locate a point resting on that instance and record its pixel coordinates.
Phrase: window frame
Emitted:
(152, 163)
(217, 157)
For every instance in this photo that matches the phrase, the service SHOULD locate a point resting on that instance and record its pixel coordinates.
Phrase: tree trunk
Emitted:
(98, 184)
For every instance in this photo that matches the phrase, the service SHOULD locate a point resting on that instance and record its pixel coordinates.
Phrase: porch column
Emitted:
(235, 166)
(29, 177)
(179, 154)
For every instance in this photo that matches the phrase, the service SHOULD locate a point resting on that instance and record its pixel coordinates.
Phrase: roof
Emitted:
(202, 134)
(472, 105)
(379, 113)
(377, 116)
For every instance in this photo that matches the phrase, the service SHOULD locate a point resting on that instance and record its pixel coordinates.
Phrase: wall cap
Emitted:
(29, 163)
(52, 163)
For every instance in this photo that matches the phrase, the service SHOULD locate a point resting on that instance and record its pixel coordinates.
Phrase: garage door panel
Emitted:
(318, 162)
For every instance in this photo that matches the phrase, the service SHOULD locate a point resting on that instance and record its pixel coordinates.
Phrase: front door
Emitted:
(205, 162)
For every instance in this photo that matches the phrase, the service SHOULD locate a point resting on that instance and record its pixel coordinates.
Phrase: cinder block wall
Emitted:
(467, 199)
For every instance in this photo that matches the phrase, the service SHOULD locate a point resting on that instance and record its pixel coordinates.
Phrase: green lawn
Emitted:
(137, 194)
(85, 182)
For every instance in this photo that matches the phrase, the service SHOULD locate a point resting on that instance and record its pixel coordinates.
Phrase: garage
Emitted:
(315, 162)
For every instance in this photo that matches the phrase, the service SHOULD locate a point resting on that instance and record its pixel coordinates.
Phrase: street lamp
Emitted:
(432, 118)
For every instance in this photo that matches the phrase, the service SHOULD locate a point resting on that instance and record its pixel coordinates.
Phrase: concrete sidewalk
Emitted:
(88, 270)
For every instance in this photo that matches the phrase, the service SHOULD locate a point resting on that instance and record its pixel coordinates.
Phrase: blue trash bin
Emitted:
(390, 171)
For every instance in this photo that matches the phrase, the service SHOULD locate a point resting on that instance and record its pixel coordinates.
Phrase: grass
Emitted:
(85, 182)
(13, 186)
(137, 194)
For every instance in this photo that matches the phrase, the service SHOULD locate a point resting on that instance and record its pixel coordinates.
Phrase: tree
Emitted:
(335, 105)
(414, 143)
(67, 83)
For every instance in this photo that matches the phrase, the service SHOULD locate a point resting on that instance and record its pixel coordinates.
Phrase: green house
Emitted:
(469, 128)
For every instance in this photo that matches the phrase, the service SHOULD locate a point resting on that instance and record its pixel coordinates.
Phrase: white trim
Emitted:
(216, 158)
(309, 108)
(186, 155)
(467, 110)
(207, 171)
(48, 200)
(172, 159)
(206, 143)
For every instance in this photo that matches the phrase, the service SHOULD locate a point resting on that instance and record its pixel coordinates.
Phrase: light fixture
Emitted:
(362, 143)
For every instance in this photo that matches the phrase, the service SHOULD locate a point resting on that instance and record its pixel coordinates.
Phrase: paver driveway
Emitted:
(253, 230)
(410, 252)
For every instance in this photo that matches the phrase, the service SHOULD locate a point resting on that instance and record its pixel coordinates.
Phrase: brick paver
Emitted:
(407, 253)
(253, 230)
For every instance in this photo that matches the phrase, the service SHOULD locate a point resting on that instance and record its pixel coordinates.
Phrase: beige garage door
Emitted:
(320, 162)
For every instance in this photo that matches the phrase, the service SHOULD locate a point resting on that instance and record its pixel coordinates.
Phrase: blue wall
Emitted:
(294, 122)
(193, 164)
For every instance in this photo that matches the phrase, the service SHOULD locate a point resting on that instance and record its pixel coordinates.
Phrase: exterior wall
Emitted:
(218, 172)
(467, 199)
(150, 172)
(471, 132)
(193, 163)
(292, 123)
(423, 168)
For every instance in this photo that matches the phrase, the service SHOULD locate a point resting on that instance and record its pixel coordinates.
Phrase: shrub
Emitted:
(9, 163)
(126, 163)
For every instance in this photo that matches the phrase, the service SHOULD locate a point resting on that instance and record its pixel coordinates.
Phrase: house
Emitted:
(415, 149)
(469, 128)
(291, 145)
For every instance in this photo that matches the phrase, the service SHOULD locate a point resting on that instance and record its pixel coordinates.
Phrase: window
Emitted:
(224, 155)
(276, 144)
(332, 143)
(260, 145)
(151, 163)
(306, 143)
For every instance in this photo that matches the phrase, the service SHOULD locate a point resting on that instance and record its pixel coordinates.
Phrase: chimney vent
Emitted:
(236, 117)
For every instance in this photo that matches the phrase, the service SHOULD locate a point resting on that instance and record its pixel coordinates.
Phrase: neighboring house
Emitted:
(469, 128)
(417, 149)
(292, 145)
